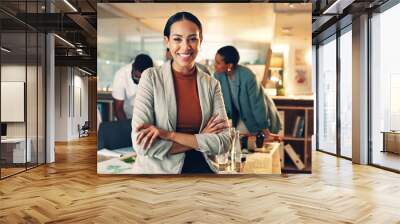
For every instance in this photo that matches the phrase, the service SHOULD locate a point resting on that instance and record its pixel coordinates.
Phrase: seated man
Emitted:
(125, 84)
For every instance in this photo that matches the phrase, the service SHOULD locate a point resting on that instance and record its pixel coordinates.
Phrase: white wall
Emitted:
(17, 73)
(69, 85)
(61, 103)
(33, 127)
(79, 117)
(14, 73)
(292, 48)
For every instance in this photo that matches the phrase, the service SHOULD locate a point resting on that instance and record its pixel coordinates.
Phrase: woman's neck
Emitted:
(183, 69)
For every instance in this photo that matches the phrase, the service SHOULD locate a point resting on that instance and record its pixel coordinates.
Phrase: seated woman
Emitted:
(244, 98)
(179, 117)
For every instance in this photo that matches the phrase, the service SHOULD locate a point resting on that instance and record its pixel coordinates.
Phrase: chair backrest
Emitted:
(86, 125)
(114, 135)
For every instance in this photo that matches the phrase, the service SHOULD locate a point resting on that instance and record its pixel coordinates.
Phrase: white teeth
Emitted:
(184, 55)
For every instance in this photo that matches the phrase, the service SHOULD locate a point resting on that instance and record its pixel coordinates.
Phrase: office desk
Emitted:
(391, 141)
(13, 150)
(263, 162)
(266, 161)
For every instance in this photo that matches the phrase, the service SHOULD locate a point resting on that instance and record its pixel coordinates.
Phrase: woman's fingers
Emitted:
(223, 123)
(217, 129)
(219, 123)
(216, 126)
(142, 134)
(212, 119)
(147, 134)
(147, 140)
(138, 128)
(138, 137)
(142, 126)
(215, 122)
(152, 139)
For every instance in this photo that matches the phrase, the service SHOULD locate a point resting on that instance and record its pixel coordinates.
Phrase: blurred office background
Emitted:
(126, 30)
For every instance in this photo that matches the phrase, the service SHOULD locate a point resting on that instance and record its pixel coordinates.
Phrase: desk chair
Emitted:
(114, 135)
(84, 130)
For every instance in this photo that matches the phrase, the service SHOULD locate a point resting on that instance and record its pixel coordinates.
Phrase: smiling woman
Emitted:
(172, 132)
(184, 41)
(179, 118)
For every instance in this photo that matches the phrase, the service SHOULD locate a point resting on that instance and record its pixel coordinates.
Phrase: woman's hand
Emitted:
(269, 137)
(149, 133)
(215, 125)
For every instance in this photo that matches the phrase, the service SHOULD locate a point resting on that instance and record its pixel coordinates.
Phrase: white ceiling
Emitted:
(252, 22)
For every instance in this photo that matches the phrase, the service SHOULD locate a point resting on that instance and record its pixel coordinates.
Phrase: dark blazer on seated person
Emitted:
(114, 135)
(252, 109)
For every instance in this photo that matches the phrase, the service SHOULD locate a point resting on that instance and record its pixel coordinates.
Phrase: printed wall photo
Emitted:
(183, 88)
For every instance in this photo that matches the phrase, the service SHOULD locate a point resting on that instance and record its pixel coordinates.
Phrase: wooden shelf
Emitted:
(298, 98)
(294, 170)
(291, 168)
(290, 138)
(293, 108)
(292, 111)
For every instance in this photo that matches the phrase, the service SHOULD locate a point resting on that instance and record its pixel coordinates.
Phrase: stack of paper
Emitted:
(109, 153)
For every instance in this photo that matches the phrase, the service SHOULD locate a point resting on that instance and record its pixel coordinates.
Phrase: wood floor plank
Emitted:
(70, 191)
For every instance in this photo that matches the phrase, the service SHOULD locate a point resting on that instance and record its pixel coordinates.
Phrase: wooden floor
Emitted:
(70, 191)
(387, 159)
(10, 171)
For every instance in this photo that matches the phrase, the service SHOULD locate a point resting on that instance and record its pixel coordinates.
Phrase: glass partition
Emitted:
(22, 87)
(31, 97)
(13, 105)
(327, 96)
(346, 94)
(41, 96)
(385, 85)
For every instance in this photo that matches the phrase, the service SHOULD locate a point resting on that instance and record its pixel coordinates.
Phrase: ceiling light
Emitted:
(286, 29)
(337, 7)
(5, 50)
(64, 40)
(291, 5)
(280, 48)
(70, 5)
(84, 71)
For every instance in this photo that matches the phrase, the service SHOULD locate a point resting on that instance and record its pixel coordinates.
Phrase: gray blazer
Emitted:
(155, 104)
